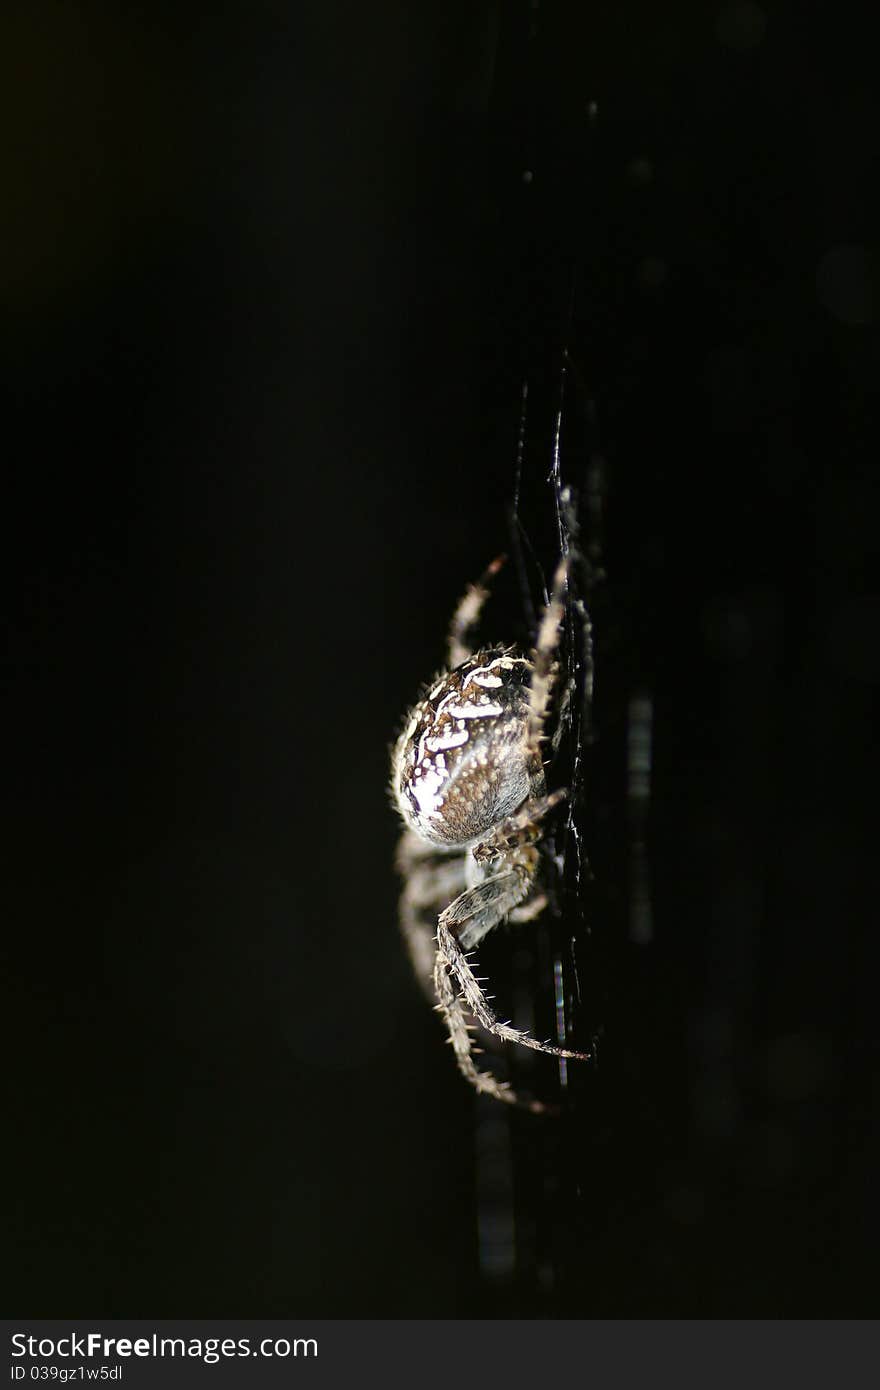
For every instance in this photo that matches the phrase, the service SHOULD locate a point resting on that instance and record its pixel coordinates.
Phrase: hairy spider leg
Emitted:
(544, 657)
(470, 918)
(460, 1036)
(431, 879)
(466, 615)
(452, 959)
(519, 829)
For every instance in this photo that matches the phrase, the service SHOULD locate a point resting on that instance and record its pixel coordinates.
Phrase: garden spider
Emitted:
(468, 780)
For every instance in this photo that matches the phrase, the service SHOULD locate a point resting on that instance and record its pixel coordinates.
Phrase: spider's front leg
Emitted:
(467, 614)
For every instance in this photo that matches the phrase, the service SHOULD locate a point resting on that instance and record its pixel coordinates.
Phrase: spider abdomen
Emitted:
(463, 763)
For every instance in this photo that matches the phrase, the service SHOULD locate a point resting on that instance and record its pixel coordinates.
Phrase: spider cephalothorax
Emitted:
(468, 780)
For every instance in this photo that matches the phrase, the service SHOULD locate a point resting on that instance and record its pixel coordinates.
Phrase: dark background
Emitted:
(270, 282)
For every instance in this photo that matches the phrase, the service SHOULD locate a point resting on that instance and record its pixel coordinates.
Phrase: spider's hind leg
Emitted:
(459, 1029)
(450, 956)
(430, 879)
(461, 927)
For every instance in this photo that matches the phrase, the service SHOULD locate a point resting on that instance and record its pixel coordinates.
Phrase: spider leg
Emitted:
(530, 909)
(544, 657)
(467, 614)
(519, 829)
(461, 927)
(460, 1036)
(451, 957)
(474, 913)
(430, 879)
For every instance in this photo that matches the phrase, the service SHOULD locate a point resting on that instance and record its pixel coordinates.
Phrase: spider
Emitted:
(467, 777)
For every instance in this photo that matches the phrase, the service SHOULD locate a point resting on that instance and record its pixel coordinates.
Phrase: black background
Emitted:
(269, 281)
